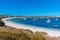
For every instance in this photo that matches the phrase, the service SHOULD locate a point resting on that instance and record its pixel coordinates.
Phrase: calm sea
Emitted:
(40, 22)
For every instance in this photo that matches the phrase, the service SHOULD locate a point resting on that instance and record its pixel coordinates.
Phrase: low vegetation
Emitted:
(13, 36)
(9, 33)
(21, 36)
(1, 23)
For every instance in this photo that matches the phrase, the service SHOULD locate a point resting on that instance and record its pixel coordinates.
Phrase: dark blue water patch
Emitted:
(41, 22)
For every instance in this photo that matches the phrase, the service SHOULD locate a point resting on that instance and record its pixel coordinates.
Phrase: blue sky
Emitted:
(30, 7)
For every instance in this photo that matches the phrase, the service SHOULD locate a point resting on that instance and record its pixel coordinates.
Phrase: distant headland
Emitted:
(7, 16)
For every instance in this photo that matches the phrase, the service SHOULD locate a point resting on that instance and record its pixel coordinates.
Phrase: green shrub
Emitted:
(37, 37)
(1, 23)
(13, 36)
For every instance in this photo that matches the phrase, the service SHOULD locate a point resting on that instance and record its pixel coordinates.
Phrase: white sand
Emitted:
(51, 32)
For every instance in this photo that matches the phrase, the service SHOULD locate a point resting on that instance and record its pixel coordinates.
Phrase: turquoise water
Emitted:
(40, 22)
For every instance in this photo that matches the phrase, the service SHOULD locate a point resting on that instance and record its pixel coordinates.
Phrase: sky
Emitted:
(30, 7)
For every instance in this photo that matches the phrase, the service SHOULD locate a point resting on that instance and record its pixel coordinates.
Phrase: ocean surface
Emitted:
(40, 22)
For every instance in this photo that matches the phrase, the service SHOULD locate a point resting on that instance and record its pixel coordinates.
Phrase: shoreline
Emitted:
(50, 32)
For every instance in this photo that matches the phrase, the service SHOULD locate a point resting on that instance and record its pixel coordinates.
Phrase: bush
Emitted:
(2, 23)
(37, 37)
(13, 36)
(21, 36)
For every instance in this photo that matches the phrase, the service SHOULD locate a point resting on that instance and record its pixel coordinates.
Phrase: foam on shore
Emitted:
(51, 32)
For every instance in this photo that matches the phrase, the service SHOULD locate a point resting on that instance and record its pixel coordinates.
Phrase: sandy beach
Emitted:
(51, 32)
